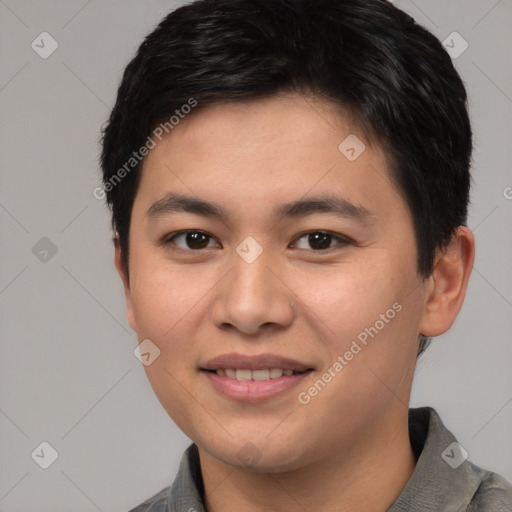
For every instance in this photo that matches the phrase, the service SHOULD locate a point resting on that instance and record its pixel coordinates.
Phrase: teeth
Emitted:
(275, 373)
(261, 374)
(244, 374)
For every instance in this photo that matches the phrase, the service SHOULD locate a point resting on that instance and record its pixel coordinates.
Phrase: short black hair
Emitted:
(367, 56)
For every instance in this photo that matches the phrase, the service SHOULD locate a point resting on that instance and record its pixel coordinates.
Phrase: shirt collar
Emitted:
(443, 479)
(186, 492)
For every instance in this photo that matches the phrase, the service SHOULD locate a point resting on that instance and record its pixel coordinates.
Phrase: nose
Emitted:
(253, 298)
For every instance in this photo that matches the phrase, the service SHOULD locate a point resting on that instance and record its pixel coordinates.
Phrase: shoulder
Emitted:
(494, 493)
(157, 503)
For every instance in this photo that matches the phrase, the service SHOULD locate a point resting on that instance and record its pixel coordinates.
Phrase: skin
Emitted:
(348, 448)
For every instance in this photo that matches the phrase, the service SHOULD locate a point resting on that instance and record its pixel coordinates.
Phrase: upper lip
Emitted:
(258, 362)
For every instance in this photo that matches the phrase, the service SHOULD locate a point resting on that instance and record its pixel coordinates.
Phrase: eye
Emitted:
(193, 240)
(321, 240)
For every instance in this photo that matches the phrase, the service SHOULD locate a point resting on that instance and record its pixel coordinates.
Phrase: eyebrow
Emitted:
(340, 207)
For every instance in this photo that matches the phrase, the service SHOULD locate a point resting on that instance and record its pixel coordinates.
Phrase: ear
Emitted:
(123, 273)
(448, 283)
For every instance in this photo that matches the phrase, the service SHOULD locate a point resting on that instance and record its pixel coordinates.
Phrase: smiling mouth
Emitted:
(245, 374)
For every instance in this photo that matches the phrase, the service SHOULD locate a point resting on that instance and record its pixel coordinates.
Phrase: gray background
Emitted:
(68, 375)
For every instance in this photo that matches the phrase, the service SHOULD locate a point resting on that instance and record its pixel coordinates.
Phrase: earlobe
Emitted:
(123, 274)
(449, 281)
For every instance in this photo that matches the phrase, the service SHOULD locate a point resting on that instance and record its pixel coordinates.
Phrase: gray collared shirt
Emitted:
(443, 480)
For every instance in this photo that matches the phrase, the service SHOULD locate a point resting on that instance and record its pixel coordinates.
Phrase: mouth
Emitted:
(259, 374)
(254, 378)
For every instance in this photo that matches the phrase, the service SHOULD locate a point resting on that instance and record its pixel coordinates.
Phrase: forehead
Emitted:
(274, 150)
(282, 122)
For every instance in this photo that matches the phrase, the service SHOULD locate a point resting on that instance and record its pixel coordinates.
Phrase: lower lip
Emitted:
(252, 391)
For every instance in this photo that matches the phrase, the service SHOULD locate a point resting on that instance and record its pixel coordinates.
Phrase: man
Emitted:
(289, 182)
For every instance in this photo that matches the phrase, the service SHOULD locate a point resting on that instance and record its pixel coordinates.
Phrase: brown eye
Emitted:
(321, 240)
(192, 240)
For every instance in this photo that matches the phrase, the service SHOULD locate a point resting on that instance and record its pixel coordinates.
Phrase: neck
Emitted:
(369, 476)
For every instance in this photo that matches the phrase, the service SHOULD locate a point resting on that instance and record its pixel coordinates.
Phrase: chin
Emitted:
(258, 457)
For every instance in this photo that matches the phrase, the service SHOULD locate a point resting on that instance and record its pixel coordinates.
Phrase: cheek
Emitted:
(163, 301)
(347, 299)
(368, 316)
(165, 310)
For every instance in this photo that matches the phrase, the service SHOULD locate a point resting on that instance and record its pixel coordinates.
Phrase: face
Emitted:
(305, 261)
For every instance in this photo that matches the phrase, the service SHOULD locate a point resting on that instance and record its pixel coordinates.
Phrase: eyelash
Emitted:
(342, 240)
